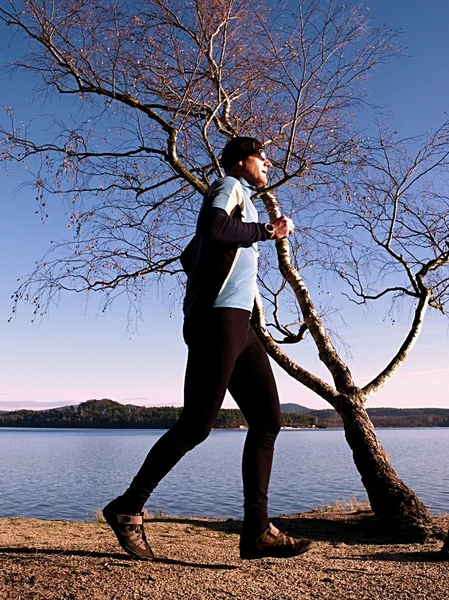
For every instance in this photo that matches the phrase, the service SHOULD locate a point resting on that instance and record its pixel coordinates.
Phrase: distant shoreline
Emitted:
(222, 429)
(108, 414)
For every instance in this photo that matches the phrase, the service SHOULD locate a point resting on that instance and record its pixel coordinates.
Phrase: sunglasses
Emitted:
(261, 154)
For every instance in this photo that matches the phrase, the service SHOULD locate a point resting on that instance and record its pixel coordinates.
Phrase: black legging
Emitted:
(224, 353)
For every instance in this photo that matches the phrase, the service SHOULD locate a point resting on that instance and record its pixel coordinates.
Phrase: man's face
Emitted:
(255, 168)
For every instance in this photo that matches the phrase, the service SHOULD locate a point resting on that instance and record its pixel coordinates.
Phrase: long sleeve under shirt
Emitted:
(218, 228)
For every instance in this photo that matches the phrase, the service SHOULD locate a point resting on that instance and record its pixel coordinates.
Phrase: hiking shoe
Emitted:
(129, 531)
(273, 543)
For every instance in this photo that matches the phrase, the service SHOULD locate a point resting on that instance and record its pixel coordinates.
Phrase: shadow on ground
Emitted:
(349, 528)
(123, 558)
(33, 552)
(405, 557)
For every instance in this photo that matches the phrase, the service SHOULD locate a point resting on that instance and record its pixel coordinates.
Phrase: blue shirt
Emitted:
(221, 259)
(239, 288)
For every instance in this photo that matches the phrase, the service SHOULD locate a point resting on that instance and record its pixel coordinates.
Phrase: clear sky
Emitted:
(75, 355)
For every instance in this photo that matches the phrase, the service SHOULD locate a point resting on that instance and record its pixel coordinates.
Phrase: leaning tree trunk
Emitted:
(391, 500)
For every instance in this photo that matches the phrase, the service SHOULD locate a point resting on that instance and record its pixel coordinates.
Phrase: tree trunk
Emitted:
(393, 503)
(391, 500)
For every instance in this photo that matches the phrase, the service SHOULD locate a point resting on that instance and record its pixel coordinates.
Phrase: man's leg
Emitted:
(214, 343)
(254, 389)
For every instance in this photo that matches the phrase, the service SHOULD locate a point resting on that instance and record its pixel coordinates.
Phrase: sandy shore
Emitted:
(197, 559)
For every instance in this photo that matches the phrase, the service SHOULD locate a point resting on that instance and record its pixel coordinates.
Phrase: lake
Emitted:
(69, 473)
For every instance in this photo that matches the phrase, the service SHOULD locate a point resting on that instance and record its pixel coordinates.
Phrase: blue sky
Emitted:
(75, 354)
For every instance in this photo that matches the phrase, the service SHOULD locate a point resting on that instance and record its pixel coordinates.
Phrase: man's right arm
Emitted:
(218, 226)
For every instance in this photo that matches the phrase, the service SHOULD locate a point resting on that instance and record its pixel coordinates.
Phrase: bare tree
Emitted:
(159, 87)
(385, 231)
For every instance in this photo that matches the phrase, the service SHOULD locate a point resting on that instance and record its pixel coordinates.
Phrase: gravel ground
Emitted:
(197, 559)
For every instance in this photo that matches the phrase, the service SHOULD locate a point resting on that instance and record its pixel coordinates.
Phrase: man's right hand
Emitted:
(283, 227)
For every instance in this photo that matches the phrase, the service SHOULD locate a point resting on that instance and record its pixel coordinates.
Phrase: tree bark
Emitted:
(395, 504)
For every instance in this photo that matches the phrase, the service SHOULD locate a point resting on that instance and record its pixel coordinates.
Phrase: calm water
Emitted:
(68, 474)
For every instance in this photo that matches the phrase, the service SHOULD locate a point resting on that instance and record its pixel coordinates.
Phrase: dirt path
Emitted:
(198, 560)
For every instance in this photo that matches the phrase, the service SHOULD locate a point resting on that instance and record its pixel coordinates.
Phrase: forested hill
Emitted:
(109, 414)
(381, 417)
(392, 417)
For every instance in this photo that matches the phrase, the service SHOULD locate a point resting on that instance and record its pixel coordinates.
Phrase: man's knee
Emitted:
(199, 434)
(267, 429)
(192, 433)
(273, 425)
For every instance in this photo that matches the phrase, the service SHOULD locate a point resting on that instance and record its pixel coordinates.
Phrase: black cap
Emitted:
(238, 148)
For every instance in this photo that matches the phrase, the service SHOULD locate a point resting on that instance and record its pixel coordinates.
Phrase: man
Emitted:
(223, 353)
